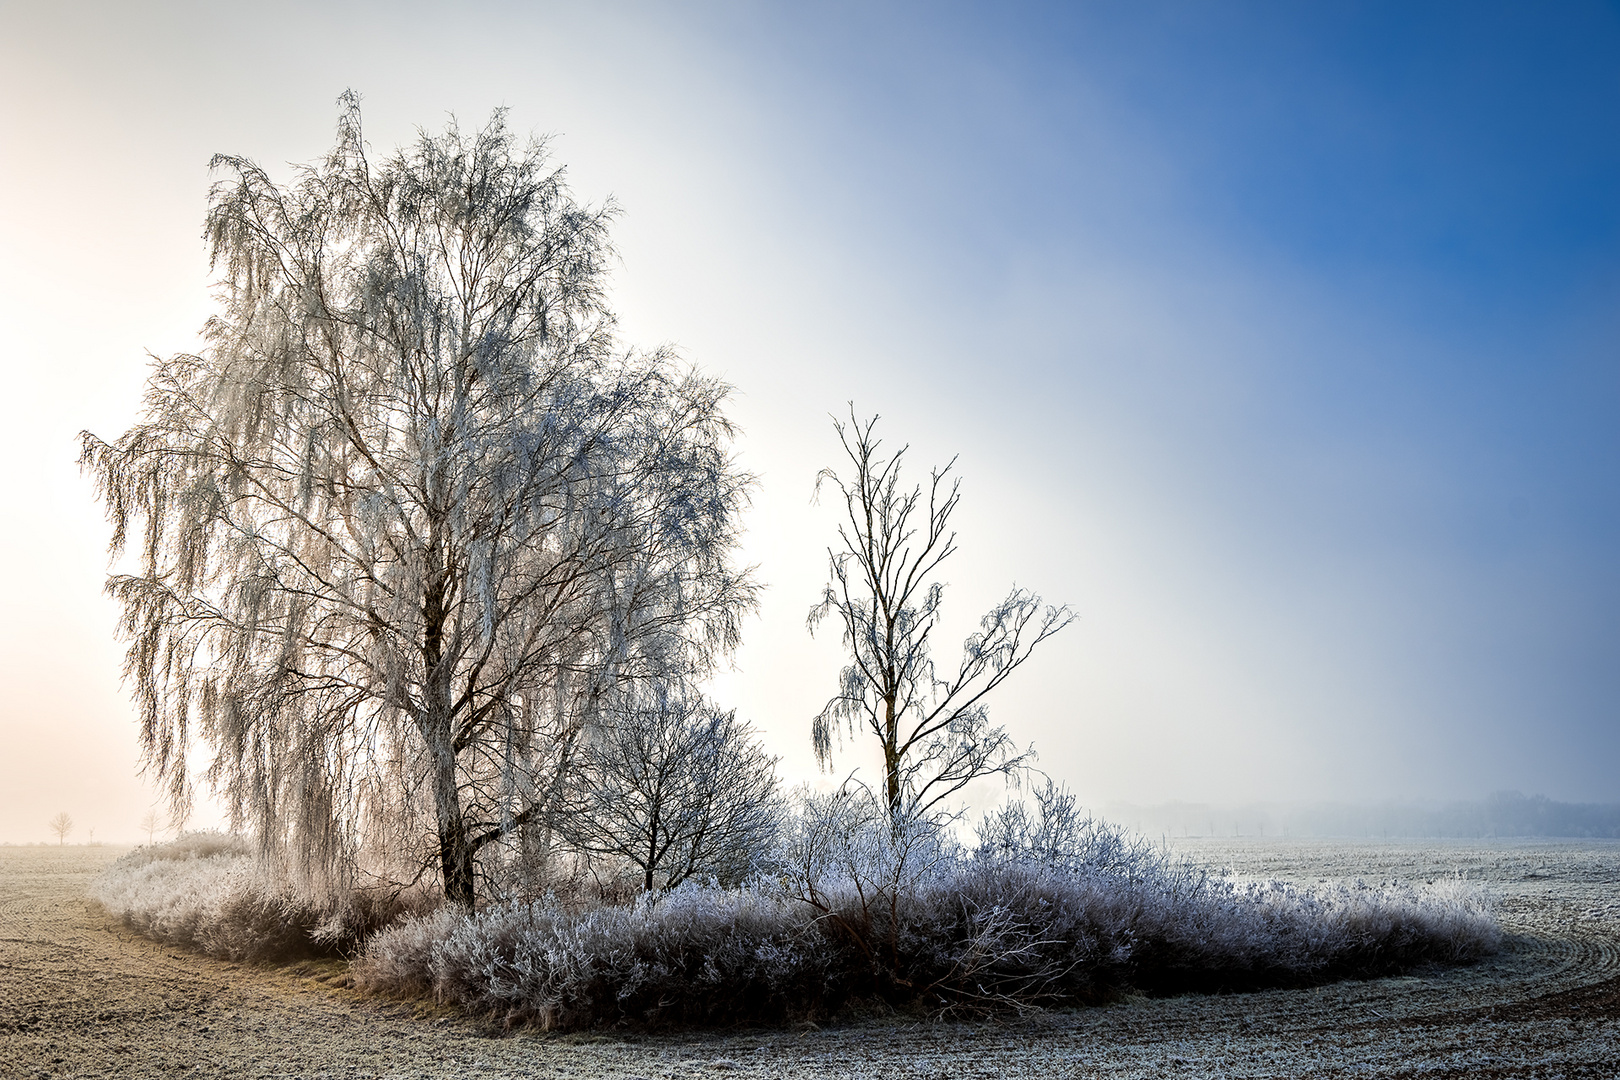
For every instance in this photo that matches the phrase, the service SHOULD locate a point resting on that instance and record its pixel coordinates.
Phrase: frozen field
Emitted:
(78, 998)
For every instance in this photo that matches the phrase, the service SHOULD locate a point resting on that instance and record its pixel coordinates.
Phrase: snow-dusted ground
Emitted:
(78, 998)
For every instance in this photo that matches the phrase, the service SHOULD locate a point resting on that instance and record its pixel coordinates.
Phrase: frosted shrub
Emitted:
(1056, 833)
(695, 955)
(192, 845)
(399, 959)
(206, 891)
(1187, 930)
(847, 843)
(1050, 908)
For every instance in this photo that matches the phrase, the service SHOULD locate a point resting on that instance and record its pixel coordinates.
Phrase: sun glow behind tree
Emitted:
(412, 518)
(1280, 340)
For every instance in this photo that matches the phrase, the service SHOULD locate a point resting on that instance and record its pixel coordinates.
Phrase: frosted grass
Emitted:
(210, 893)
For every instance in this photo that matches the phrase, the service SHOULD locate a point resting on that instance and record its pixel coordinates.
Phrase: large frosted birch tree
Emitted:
(411, 517)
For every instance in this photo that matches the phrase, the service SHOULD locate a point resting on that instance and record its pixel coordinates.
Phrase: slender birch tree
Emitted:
(411, 514)
(933, 728)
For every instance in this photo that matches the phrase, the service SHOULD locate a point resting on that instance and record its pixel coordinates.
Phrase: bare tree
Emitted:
(61, 825)
(934, 730)
(152, 824)
(412, 514)
(675, 787)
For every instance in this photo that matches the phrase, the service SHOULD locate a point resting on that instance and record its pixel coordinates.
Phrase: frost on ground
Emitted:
(80, 996)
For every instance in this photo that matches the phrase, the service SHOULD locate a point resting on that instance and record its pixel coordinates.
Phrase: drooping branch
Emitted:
(410, 482)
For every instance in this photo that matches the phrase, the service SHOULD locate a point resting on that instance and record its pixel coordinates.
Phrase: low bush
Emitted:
(694, 956)
(1049, 909)
(209, 892)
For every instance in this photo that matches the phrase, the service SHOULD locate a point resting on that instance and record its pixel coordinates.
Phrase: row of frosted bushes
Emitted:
(209, 892)
(981, 939)
(1047, 908)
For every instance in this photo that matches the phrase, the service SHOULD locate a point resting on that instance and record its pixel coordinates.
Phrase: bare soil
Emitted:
(79, 997)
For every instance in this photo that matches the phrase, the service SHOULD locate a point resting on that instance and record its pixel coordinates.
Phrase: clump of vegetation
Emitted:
(1047, 908)
(210, 892)
(854, 909)
(440, 594)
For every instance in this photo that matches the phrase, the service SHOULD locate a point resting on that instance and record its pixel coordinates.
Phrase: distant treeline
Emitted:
(1504, 813)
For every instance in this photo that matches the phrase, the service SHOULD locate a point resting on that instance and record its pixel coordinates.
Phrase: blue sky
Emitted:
(1336, 283)
(1278, 339)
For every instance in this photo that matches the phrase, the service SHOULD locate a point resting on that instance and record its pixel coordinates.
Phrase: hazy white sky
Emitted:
(1278, 340)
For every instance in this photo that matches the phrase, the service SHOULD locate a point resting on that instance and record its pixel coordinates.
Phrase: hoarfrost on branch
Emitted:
(412, 517)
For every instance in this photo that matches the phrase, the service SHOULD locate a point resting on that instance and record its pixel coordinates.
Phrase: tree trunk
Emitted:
(438, 731)
(891, 756)
(652, 851)
(455, 850)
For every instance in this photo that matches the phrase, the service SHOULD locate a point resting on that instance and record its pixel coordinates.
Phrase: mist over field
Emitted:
(1278, 342)
(1502, 815)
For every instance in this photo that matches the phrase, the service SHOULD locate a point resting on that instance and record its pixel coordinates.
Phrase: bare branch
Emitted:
(933, 731)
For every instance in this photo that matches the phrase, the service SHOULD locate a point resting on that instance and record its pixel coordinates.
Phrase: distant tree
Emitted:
(675, 788)
(934, 731)
(411, 515)
(151, 824)
(61, 825)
